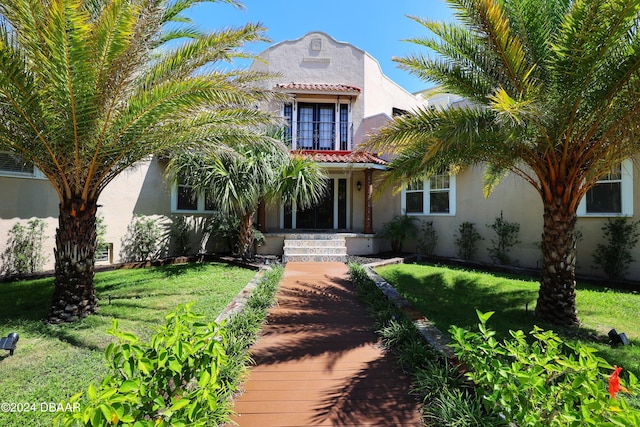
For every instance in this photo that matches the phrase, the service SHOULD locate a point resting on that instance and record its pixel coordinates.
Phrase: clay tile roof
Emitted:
(343, 157)
(318, 87)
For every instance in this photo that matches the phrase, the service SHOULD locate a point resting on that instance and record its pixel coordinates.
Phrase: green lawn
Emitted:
(449, 296)
(53, 362)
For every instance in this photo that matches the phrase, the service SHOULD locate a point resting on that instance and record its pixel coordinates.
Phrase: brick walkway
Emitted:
(318, 362)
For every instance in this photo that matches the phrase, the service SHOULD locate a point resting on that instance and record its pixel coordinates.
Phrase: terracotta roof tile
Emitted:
(343, 157)
(318, 87)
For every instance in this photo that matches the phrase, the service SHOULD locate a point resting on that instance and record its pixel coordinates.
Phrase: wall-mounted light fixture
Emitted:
(359, 185)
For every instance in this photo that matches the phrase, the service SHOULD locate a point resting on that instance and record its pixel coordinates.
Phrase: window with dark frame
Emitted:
(11, 163)
(606, 195)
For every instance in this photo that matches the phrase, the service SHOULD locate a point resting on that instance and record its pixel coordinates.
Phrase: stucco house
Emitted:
(338, 94)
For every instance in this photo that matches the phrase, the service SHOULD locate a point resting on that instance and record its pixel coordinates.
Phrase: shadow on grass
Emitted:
(26, 302)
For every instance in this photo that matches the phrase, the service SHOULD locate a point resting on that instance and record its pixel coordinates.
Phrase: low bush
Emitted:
(143, 241)
(428, 238)
(467, 240)
(186, 375)
(23, 253)
(614, 257)
(544, 382)
(506, 236)
(171, 380)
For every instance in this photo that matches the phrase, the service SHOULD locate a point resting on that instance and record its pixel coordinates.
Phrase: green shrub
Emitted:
(614, 257)
(170, 381)
(455, 407)
(542, 383)
(467, 240)
(24, 248)
(428, 238)
(397, 230)
(143, 241)
(506, 237)
(180, 233)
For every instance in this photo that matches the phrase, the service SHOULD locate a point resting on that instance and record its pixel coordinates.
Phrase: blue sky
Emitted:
(376, 26)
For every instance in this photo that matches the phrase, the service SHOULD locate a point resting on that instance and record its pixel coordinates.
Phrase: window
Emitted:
(183, 199)
(288, 115)
(344, 126)
(13, 165)
(317, 126)
(433, 196)
(612, 195)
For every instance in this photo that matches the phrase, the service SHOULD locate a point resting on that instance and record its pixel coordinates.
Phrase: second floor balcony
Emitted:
(318, 127)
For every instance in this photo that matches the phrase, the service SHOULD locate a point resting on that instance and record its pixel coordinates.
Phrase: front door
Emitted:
(320, 216)
(329, 214)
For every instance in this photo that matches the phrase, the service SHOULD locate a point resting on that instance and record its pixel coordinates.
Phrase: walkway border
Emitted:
(434, 337)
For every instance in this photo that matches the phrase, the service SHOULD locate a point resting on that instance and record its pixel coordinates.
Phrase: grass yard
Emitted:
(52, 363)
(449, 296)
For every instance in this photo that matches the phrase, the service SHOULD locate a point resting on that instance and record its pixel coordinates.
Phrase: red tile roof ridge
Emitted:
(319, 87)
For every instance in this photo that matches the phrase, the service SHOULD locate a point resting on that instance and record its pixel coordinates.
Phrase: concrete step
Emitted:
(314, 258)
(314, 247)
(337, 243)
(314, 236)
(310, 250)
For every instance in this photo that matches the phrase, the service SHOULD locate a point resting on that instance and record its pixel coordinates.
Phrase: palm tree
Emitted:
(237, 181)
(90, 87)
(553, 91)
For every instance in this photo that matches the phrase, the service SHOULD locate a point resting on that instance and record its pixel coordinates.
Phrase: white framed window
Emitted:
(432, 196)
(183, 199)
(612, 195)
(13, 165)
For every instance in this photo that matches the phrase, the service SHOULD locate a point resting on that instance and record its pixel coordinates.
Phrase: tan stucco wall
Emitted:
(139, 190)
(520, 203)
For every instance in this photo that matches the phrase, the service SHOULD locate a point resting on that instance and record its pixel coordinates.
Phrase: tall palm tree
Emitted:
(553, 88)
(237, 181)
(90, 87)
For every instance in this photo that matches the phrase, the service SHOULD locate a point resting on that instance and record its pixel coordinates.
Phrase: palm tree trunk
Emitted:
(74, 294)
(246, 236)
(557, 295)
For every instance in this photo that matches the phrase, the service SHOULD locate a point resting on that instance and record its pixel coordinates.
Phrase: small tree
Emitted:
(180, 234)
(24, 248)
(614, 257)
(467, 239)
(506, 237)
(428, 238)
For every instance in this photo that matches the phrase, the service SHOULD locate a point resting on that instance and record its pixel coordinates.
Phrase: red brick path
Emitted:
(318, 362)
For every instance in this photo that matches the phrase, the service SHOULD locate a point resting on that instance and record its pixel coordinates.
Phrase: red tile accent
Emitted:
(318, 87)
(330, 156)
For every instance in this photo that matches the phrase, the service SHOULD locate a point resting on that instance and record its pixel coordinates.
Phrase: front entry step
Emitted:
(308, 247)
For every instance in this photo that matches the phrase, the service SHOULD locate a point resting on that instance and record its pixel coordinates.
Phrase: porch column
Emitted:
(368, 203)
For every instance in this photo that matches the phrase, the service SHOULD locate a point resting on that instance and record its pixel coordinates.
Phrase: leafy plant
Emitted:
(467, 239)
(143, 241)
(101, 232)
(614, 257)
(170, 381)
(506, 237)
(541, 381)
(24, 248)
(428, 238)
(180, 233)
(397, 230)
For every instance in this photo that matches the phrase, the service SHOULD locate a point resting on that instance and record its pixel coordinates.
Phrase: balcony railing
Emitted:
(319, 136)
